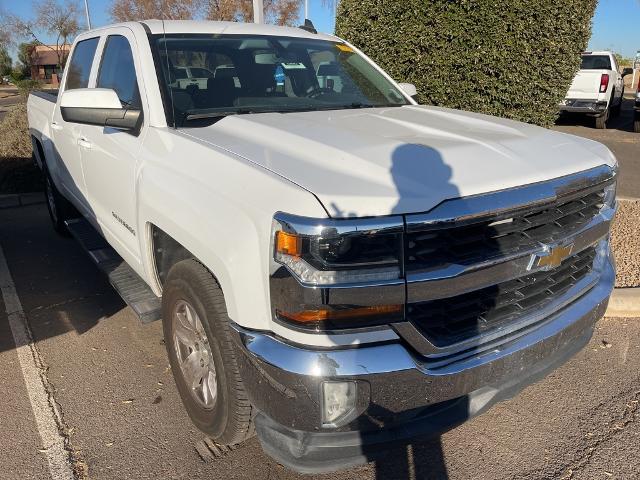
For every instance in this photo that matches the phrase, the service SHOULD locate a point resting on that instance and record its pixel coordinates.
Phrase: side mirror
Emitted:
(98, 106)
(409, 89)
(627, 71)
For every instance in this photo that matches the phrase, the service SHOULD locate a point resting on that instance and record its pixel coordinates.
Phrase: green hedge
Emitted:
(511, 58)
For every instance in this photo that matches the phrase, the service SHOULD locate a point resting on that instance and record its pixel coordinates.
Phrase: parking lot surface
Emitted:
(109, 378)
(619, 137)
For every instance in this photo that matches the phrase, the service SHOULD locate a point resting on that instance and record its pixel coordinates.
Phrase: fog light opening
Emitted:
(338, 403)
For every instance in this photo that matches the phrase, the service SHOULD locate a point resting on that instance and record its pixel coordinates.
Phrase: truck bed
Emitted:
(586, 84)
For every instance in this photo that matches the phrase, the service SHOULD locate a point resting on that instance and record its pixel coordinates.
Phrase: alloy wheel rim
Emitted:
(193, 352)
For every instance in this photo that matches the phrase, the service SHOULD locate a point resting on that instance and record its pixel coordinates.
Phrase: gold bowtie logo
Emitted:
(553, 258)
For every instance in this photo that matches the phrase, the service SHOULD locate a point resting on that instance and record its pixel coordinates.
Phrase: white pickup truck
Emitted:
(597, 89)
(334, 265)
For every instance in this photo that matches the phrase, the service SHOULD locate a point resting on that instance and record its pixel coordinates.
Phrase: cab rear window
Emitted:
(596, 62)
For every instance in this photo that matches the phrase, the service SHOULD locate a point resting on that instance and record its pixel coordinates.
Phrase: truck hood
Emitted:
(372, 162)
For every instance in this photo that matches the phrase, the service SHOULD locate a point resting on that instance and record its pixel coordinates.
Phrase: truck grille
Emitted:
(451, 320)
(435, 247)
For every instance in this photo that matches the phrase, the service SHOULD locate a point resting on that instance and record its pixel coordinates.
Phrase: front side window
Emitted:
(239, 74)
(118, 72)
(80, 64)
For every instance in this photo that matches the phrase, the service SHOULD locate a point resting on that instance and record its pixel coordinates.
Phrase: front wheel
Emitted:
(199, 344)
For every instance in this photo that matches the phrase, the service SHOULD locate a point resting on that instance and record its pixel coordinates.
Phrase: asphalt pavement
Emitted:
(619, 137)
(6, 102)
(121, 418)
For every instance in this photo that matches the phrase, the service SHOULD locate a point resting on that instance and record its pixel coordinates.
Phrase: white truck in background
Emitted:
(597, 89)
(336, 267)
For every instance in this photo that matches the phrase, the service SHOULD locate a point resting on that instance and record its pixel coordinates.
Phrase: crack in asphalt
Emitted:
(78, 465)
(589, 443)
(616, 426)
(65, 302)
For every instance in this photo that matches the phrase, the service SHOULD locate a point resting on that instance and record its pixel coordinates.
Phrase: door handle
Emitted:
(84, 143)
(56, 126)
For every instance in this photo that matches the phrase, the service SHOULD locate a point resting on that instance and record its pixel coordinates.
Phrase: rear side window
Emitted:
(80, 64)
(117, 71)
(596, 62)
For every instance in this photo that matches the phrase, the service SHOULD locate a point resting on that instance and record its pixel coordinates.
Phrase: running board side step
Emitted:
(133, 290)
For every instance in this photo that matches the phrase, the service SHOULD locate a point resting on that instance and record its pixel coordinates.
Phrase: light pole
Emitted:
(306, 9)
(86, 11)
(258, 11)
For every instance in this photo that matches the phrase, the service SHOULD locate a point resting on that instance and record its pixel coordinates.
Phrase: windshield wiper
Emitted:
(220, 114)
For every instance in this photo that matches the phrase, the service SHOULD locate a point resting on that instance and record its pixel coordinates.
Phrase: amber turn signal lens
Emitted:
(307, 316)
(288, 244)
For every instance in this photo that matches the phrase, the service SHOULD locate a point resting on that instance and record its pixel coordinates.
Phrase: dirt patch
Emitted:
(625, 243)
(18, 174)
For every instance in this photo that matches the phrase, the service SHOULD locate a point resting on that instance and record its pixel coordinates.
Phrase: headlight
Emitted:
(326, 263)
(333, 252)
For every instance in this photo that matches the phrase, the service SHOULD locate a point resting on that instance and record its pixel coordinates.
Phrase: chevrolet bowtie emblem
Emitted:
(551, 258)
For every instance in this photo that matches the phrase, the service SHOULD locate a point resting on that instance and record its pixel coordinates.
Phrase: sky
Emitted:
(616, 25)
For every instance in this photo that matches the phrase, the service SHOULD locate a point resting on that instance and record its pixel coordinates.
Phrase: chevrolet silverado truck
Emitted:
(597, 89)
(337, 268)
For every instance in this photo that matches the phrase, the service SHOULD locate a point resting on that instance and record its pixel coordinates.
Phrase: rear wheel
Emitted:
(615, 110)
(601, 121)
(199, 344)
(59, 207)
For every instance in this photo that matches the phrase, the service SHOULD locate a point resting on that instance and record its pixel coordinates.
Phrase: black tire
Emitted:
(59, 207)
(636, 125)
(230, 420)
(616, 109)
(601, 121)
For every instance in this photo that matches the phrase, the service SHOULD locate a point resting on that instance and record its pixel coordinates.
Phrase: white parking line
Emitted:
(44, 409)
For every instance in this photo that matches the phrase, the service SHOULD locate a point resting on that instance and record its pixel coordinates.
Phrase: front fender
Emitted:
(220, 208)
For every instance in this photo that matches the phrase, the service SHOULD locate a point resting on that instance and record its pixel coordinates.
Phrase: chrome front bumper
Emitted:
(401, 396)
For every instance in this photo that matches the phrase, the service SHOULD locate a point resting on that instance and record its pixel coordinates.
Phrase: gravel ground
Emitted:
(626, 243)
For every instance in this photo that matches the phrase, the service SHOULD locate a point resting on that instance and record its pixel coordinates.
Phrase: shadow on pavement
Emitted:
(622, 122)
(60, 288)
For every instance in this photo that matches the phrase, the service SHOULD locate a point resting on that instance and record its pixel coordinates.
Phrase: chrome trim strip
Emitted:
(474, 208)
(458, 279)
(331, 226)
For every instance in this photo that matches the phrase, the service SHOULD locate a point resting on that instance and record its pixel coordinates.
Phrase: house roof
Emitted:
(46, 54)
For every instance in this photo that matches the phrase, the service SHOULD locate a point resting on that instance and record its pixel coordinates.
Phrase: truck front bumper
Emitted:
(593, 107)
(400, 398)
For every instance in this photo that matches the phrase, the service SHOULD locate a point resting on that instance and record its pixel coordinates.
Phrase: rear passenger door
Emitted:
(110, 155)
(66, 136)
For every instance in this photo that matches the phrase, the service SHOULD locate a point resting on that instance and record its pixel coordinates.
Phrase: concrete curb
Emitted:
(21, 199)
(624, 302)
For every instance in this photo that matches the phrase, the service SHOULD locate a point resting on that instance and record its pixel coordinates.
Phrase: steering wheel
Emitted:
(317, 91)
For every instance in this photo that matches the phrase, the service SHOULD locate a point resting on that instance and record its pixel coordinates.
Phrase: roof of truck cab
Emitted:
(231, 28)
(598, 52)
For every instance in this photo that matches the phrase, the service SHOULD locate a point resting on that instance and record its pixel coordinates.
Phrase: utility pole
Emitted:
(258, 11)
(86, 11)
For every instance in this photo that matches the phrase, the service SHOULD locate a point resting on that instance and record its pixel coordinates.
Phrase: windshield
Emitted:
(239, 74)
(595, 62)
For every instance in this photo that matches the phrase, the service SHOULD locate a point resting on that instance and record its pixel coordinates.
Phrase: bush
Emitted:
(16, 75)
(25, 87)
(18, 174)
(513, 58)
